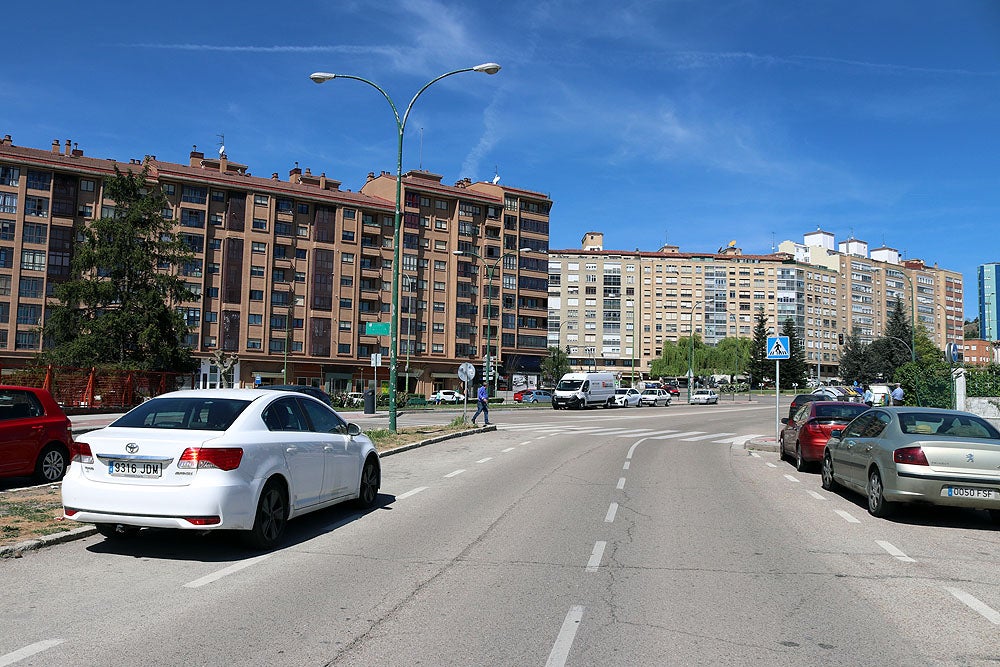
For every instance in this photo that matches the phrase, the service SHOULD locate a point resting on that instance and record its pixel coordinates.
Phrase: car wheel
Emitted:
(368, 490)
(51, 464)
(828, 482)
(271, 518)
(877, 504)
(117, 531)
(800, 463)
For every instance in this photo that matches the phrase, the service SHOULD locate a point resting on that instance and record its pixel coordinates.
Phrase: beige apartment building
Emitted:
(614, 310)
(290, 271)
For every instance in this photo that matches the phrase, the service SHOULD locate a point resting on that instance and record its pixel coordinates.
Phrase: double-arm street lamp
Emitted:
(490, 272)
(322, 77)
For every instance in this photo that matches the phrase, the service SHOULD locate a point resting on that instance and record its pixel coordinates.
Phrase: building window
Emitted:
(39, 180)
(10, 176)
(258, 247)
(169, 189)
(302, 208)
(256, 295)
(350, 214)
(284, 205)
(347, 257)
(36, 206)
(343, 348)
(255, 319)
(261, 200)
(283, 229)
(215, 219)
(254, 344)
(194, 195)
(192, 217)
(86, 185)
(33, 260)
(260, 224)
(346, 304)
(8, 202)
(34, 233)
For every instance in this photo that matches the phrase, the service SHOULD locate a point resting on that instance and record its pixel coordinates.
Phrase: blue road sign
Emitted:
(777, 347)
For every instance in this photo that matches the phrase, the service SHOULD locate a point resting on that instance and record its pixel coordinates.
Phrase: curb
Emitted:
(762, 445)
(18, 550)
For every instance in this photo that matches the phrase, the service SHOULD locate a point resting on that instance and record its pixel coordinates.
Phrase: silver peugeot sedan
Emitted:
(897, 455)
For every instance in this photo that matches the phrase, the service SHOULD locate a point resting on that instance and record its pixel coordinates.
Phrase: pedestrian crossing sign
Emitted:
(777, 347)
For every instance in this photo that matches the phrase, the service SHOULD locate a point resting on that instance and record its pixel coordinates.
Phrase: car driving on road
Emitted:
(224, 459)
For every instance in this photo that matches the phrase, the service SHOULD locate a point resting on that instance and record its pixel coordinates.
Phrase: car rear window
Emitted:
(956, 425)
(844, 412)
(192, 413)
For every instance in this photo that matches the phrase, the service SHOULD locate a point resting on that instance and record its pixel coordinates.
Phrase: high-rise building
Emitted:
(989, 298)
(288, 273)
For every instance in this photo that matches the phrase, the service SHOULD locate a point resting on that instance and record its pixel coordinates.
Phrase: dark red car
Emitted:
(519, 395)
(671, 389)
(34, 434)
(807, 430)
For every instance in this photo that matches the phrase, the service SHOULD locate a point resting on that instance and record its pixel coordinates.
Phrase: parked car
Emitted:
(806, 432)
(672, 389)
(446, 396)
(219, 459)
(900, 455)
(536, 396)
(654, 397)
(315, 392)
(34, 434)
(627, 397)
(800, 399)
(355, 399)
(704, 396)
(518, 395)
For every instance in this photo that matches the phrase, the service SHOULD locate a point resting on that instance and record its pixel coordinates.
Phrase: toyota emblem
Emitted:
(131, 448)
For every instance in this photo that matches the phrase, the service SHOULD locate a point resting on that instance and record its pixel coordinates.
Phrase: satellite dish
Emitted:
(222, 151)
(496, 179)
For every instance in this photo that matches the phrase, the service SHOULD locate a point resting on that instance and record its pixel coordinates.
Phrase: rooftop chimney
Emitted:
(55, 146)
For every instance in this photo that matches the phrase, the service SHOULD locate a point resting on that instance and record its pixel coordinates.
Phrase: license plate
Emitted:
(135, 469)
(968, 492)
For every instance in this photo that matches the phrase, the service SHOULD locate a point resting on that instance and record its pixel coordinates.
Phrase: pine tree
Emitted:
(794, 370)
(118, 308)
(760, 366)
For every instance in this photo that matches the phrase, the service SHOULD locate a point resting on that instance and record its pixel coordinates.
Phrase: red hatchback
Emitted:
(34, 434)
(807, 430)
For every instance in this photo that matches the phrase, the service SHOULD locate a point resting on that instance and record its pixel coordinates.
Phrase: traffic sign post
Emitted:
(466, 373)
(777, 349)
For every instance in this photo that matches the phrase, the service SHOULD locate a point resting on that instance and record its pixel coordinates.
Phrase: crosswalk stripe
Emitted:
(678, 435)
(705, 437)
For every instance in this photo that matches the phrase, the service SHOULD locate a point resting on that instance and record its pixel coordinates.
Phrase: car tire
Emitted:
(878, 506)
(800, 464)
(826, 473)
(270, 518)
(51, 464)
(117, 531)
(368, 488)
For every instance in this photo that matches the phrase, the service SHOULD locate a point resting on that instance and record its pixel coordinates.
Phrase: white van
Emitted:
(580, 390)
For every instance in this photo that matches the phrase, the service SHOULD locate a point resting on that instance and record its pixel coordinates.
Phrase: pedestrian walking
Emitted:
(481, 399)
(897, 395)
(869, 397)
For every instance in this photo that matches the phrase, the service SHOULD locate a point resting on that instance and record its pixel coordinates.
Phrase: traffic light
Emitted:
(840, 339)
(567, 349)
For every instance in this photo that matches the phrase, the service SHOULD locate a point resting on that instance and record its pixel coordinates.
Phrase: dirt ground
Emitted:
(34, 511)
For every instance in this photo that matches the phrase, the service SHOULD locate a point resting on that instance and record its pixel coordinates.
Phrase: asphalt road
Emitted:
(612, 537)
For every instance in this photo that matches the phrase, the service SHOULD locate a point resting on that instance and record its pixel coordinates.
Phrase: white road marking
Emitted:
(989, 613)
(38, 647)
(626, 466)
(894, 551)
(504, 451)
(769, 464)
(488, 458)
(526, 442)
(846, 517)
(540, 437)
(755, 455)
(816, 495)
(612, 511)
(637, 431)
(411, 492)
(595, 557)
(621, 483)
(225, 572)
(456, 472)
(790, 478)
(678, 435)
(564, 640)
(706, 437)
(631, 450)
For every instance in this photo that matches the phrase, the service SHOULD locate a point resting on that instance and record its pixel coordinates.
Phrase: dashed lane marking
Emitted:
(847, 516)
(706, 437)
(411, 492)
(612, 511)
(456, 472)
(225, 572)
(894, 551)
(621, 483)
(488, 458)
(678, 435)
(791, 478)
(564, 640)
(986, 611)
(595, 556)
(816, 495)
(30, 650)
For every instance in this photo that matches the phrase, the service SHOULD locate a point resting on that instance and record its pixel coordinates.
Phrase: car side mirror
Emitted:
(353, 429)
(784, 420)
(836, 433)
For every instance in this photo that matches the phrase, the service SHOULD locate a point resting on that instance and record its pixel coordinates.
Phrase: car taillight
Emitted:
(79, 452)
(914, 456)
(222, 458)
(814, 427)
(203, 520)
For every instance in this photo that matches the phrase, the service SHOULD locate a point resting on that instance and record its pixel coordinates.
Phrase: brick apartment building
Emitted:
(288, 272)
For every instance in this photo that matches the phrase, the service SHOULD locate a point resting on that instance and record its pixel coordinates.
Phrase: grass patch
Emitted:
(385, 439)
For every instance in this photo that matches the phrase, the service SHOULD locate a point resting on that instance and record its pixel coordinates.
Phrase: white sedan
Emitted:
(446, 396)
(627, 397)
(219, 459)
(704, 396)
(654, 397)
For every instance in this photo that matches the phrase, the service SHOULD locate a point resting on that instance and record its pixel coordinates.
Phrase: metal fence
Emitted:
(92, 388)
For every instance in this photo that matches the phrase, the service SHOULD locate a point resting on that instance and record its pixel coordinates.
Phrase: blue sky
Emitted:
(692, 122)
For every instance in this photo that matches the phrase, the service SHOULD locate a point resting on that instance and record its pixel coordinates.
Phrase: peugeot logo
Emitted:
(131, 448)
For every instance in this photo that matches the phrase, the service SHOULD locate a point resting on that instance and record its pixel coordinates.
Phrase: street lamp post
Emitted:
(691, 354)
(322, 77)
(490, 272)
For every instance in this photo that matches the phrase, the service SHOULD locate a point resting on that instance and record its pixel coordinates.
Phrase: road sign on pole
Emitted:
(777, 347)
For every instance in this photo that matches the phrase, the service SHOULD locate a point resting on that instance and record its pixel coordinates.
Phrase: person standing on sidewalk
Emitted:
(897, 395)
(481, 398)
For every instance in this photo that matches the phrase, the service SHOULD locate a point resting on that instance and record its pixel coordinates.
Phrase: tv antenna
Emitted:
(222, 145)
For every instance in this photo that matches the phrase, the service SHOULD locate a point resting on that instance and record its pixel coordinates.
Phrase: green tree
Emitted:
(759, 365)
(118, 308)
(794, 370)
(854, 361)
(555, 365)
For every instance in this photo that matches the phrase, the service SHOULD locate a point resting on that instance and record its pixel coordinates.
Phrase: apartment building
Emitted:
(988, 276)
(979, 352)
(288, 272)
(615, 309)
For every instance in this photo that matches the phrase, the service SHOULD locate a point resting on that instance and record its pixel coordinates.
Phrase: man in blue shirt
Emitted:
(481, 396)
